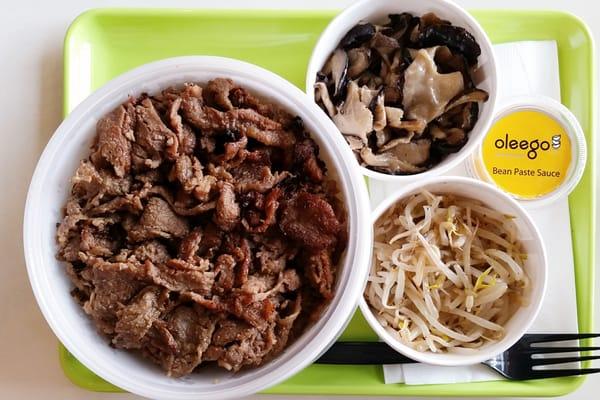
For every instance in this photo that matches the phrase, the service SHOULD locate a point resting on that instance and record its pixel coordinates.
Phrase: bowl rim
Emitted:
(342, 305)
(440, 359)
(339, 23)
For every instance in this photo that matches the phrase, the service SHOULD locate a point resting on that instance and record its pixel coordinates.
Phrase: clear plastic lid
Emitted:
(535, 151)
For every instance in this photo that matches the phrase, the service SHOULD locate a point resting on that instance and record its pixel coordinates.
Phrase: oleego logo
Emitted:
(531, 146)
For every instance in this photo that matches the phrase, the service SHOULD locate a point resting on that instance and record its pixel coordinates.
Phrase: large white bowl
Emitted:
(377, 11)
(49, 190)
(535, 267)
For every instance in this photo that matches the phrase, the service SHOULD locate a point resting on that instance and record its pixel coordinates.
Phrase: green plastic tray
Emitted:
(101, 44)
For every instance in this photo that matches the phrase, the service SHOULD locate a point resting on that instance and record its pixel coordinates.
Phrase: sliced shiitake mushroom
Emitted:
(359, 60)
(358, 35)
(468, 116)
(473, 95)
(370, 80)
(367, 95)
(384, 45)
(393, 93)
(399, 25)
(395, 142)
(430, 19)
(378, 109)
(322, 95)
(391, 73)
(388, 162)
(354, 142)
(455, 37)
(463, 117)
(454, 141)
(414, 152)
(436, 132)
(411, 125)
(448, 118)
(339, 70)
(448, 62)
(382, 137)
(394, 116)
(354, 117)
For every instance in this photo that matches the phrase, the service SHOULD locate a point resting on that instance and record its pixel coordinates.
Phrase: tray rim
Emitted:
(559, 386)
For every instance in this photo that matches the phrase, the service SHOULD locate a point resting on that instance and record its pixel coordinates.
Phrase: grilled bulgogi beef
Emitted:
(202, 228)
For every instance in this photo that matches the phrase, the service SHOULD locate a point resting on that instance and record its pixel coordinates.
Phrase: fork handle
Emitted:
(362, 353)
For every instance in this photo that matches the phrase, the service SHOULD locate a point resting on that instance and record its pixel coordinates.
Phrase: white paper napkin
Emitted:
(524, 68)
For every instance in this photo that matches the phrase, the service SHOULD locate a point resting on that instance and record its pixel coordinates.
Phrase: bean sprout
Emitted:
(447, 272)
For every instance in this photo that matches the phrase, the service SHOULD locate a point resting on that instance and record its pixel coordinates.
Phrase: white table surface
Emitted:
(31, 38)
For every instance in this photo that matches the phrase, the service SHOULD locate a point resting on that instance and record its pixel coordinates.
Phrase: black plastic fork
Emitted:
(516, 363)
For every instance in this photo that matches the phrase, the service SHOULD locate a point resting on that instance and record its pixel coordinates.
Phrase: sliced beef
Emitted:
(239, 248)
(181, 277)
(202, 228)
(187, 171)
(131, 203)
(263, 287)
(258, 314)
(183, 208)
(96, 243)
(319, 272)
(273, 252)
(187, 140)
(285, 322)
(225, 273)
(256, 177)
(257, 283)
(192, 329)
(153, 251)
(271, 137)
(158, 221)
(217, 93)
(230, 331)
(136, 319)
(154, 140)
(112, 145)
(306, 158)
(114, 285)
(227, 213)
(242, 98)
(174, 119)
(211, 241)
(89, 182)
(83, 286)
(73, 215)
(245, 121)
(70, 251)
(310, 220)
(248, 348)
(190, 244)
(271, 262)
(269, 209)
(234, 152)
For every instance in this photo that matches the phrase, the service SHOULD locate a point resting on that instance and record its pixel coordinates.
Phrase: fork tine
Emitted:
(556, 373)
(557, 337)
(541, 350)
(561, 360)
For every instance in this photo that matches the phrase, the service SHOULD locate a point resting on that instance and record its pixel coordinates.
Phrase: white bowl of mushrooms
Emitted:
(410, 84)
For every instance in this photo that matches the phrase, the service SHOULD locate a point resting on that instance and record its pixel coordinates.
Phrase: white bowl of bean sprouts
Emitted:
(458, 272)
